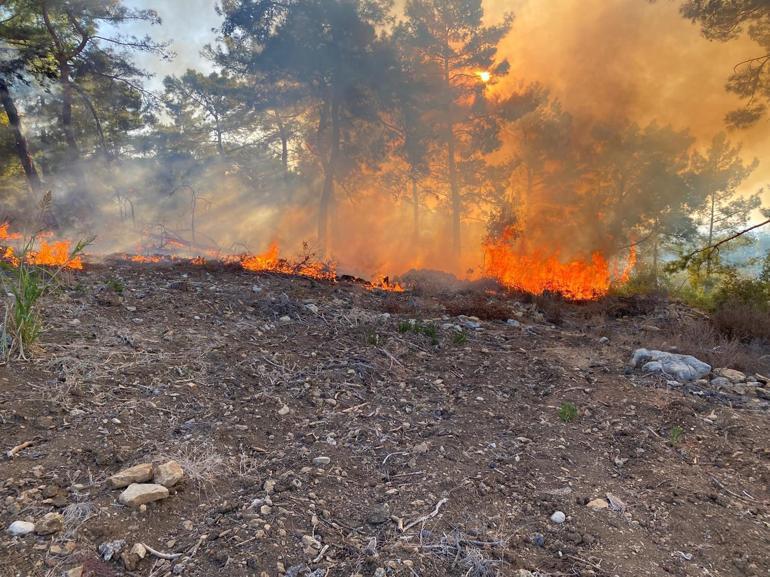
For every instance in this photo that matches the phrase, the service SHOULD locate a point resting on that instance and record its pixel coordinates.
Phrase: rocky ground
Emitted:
(328, 430)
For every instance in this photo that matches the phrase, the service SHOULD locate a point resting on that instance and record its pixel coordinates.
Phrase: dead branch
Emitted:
(425, 517)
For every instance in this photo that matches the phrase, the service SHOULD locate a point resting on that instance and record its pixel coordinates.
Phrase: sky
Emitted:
(606, 58)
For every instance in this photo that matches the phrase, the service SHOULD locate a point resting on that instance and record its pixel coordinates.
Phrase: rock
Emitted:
(269, 486)
(763, 393)
(139, 494)
(285, 319)
(379, 515)
(513, 323)
(138, 474)
(312, 308)
(50, 523)
(720, 382)
(20, 528)
(598, 504)
(139, 550)
(285, 410)
(111, 549)
(680, 367)
(75, 572)
(731, 374)
(538, 539)
(168, 474)
(604, 341)
(421, 448)
(558, 517)
(320, 461)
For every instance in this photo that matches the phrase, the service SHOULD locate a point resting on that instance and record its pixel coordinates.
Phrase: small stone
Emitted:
(558, 517)
(720, 382)
(598, 504)
(285, 410)
(312, 308)
(763, 393)
(50, 523)
(168, 474)
(538, 540)
(139, 494)
(138, 474)
(379, 515)
(111, 549)
(139, 550)
(421, 448)
(604, 340)
(731, 374)
(21, 528)
(75, 572)
(269, 486)
(320, 461)
(285, 319)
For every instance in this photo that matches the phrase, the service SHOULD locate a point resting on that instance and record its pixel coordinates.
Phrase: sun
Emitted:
(485, 76)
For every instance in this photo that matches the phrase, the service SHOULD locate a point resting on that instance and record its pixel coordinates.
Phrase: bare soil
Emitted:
(447, 453)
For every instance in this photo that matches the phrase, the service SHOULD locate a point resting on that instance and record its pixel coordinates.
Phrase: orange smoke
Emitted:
(541, 271)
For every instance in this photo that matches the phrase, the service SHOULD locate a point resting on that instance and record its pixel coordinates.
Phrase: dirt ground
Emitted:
(446, 452)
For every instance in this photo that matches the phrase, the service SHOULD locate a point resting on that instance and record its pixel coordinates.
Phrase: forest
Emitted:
(320, 288)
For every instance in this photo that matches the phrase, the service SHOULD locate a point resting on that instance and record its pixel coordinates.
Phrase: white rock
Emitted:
(598, 504)
(138, 474)
(320, 461)
(680, 367)
(140, 494)
(21, 528)
(558, 517)
(285, 410)
(168, 474)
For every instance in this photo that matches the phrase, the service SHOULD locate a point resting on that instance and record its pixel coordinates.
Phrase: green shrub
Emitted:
(568, 412)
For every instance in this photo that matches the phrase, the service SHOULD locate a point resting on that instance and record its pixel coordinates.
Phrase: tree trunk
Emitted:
(454, 186)
(66, 110)
(327, 196)
(22, 148)
(712, 217)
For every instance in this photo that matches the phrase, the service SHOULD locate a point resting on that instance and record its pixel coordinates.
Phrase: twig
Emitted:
(161, 555)
(19, 448)
(426, 517)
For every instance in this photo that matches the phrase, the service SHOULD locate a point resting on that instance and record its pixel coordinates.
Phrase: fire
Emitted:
(271, 261)
(541, 271)
(54, 253)
(384, 283)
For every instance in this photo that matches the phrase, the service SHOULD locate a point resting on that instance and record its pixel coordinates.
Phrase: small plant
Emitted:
(373, 339)
(675, 436)
(460, 338)
(431, 332)
(116, 285)
(568, 412)
(405, 326)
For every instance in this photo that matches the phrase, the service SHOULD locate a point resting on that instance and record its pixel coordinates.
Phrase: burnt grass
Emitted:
(447, 454)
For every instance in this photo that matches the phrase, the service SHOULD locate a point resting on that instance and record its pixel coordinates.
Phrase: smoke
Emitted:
(610, 61)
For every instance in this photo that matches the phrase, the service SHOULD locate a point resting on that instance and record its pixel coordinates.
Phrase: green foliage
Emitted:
(460, 338)
(426, 329)
(568, 412)
(675, 435)
(116, 285)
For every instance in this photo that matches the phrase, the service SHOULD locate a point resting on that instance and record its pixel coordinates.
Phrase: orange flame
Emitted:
(270, 261)
(541, 271)
(56, 253)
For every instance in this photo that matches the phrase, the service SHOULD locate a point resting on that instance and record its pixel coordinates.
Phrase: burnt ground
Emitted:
(447, 453)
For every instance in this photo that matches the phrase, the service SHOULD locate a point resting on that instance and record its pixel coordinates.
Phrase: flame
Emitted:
(54, 253)
(539, 271)
(383, 283)
(5, 235)
(270, 261)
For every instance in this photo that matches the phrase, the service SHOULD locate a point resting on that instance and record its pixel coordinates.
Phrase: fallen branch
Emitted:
(425, 517)
(19, 448)
(160, 554)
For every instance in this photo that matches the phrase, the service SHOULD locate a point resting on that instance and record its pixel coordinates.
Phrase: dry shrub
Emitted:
(701, 339)
(479, 305)
(742, 320)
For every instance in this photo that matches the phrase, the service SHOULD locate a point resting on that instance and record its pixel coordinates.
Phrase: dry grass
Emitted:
(700, 338)
(744, 321)
(202, 463)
